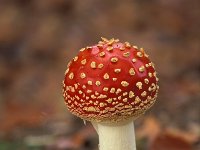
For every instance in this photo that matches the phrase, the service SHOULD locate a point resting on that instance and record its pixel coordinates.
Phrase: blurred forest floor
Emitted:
(39, 37)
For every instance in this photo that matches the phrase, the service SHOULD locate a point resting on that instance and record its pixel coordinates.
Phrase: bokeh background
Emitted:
(39, 37)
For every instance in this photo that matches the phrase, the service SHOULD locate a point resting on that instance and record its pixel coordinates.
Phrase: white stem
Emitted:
(95, 125)
(121, 137)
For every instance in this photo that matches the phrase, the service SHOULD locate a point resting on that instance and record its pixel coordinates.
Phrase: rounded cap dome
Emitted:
(110, 82)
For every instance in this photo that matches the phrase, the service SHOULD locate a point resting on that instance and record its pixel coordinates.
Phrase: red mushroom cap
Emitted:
(110, 82)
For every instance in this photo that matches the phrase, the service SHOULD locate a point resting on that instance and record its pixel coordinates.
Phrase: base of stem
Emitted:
(121, 137)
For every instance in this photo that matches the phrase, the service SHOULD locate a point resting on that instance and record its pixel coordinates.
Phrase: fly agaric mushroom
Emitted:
(111, 84)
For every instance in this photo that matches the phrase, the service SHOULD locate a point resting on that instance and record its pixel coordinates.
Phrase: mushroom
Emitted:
(111, 84)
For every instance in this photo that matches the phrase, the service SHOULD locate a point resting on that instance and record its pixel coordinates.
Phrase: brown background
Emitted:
(39, 37)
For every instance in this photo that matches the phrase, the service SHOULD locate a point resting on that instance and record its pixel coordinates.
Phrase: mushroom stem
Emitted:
(95, 125)
(117, 137)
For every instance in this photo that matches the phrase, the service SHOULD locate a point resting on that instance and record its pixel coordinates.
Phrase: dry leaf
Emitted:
(150, 129)
(168, 141)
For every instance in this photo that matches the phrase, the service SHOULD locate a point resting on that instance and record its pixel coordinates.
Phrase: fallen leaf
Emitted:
(168, 141)
(187, 136)
(150, 129)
